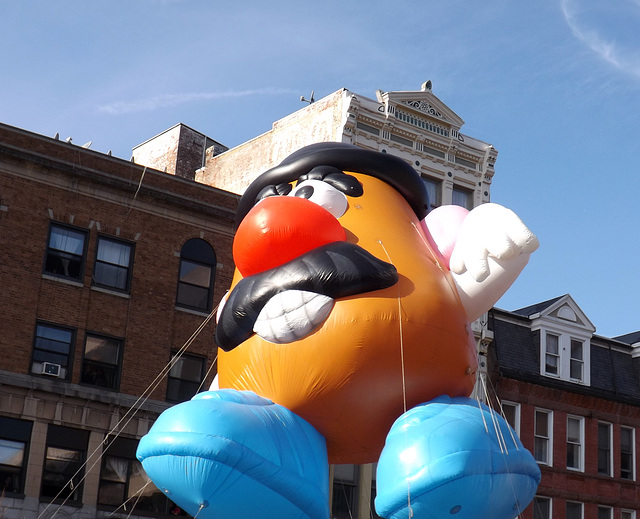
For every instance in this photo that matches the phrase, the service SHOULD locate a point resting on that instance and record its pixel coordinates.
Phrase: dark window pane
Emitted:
(113, 262)
(96, 374)
(187, 368)
(52, 344)
(62, 475)
(11, 453)
(113, 252)
(65, 252)
(626, 453)
(111, 276)
(574, 510)
(198, 250)
(185, 378)
(181, 390)
(66, 240)
(193, 297)
(102, 349)
(541, 508)
(195, 274)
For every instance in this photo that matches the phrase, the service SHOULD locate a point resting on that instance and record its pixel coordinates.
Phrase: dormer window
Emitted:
(564, 356)
(565, 341)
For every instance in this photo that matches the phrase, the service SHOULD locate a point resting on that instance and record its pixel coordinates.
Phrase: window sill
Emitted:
(104, 290)
(65, 281)
(201, 313)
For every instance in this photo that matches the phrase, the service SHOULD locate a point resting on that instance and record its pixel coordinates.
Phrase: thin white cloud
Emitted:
(604, 47)
(165, 100)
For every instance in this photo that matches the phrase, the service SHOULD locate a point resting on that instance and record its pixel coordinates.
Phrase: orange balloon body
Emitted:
(377, 353)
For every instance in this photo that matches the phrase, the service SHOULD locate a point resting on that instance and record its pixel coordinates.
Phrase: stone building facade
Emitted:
(414, 125)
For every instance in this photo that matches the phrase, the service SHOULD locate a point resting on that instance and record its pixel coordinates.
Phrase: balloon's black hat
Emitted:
(347, 157)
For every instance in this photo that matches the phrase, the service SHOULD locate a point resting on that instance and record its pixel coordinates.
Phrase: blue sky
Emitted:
(554, 85)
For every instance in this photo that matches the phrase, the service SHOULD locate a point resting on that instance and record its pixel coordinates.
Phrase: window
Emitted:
(552, 356)
(461, 197)
(101, 362)
(605, 512)
(345, 478)
(541, 508)
(511, 413)
(113, 264)
(605, 441)
(63, 465)
(574, 510)
(434, 191)
(197, 264)
(575, 442)
(122, 480)
(52, 350)
(577, 360)
(14, 446)
(628, 514)
(564, 356)
(66, 252)
(542, 440)
(627, 453)
(185, 378)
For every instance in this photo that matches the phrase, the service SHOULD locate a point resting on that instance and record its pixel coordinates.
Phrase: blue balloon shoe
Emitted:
(234, 454)
(454, 458)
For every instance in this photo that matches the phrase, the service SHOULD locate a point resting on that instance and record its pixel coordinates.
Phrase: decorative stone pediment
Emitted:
(426, 108)
(422, 102)
(566, 313)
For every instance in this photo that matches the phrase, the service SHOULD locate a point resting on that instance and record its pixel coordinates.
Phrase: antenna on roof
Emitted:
(308, 100)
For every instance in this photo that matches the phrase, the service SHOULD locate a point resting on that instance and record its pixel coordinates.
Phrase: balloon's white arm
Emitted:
(492, 246)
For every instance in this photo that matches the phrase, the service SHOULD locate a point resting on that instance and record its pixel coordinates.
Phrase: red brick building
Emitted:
(107, 270)
(573, 397)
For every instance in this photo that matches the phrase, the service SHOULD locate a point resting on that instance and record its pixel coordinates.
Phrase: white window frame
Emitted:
(633, 451)
(626, 513)
(610, 435)
(577, 503)
(579, 443)
(516, 414)
(565, 338)
(608, 509)
(548, 500)
(548, 438)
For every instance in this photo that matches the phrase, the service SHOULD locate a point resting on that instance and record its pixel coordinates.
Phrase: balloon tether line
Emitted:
(132, 410)
(404, 382)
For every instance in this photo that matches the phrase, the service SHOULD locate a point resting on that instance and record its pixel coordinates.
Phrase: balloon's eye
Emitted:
(322, 194)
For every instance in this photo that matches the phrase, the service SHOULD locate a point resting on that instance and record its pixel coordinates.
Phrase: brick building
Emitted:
(574, 399)
(107, 269)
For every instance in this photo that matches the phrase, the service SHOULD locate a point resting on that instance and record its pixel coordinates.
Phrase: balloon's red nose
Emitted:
(279, 229)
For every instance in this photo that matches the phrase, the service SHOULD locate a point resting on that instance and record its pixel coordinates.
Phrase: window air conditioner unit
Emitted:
(51, 369)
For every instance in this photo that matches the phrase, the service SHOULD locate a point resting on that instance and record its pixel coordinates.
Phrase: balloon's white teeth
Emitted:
(292, 314)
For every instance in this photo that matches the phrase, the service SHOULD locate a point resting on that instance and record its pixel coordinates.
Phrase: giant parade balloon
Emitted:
(349, 312)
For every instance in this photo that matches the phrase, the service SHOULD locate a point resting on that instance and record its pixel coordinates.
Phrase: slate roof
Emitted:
(537, 308)
(615, 375)
(629, 338)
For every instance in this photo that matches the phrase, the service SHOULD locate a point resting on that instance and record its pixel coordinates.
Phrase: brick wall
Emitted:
(61, 183)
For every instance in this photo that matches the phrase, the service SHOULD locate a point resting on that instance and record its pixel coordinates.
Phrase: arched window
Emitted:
(197, 273)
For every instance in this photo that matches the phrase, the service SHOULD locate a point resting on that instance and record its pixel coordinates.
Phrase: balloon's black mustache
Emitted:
(338, 269)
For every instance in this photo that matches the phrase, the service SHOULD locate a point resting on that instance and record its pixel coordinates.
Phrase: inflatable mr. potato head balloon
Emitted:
(350, 311)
